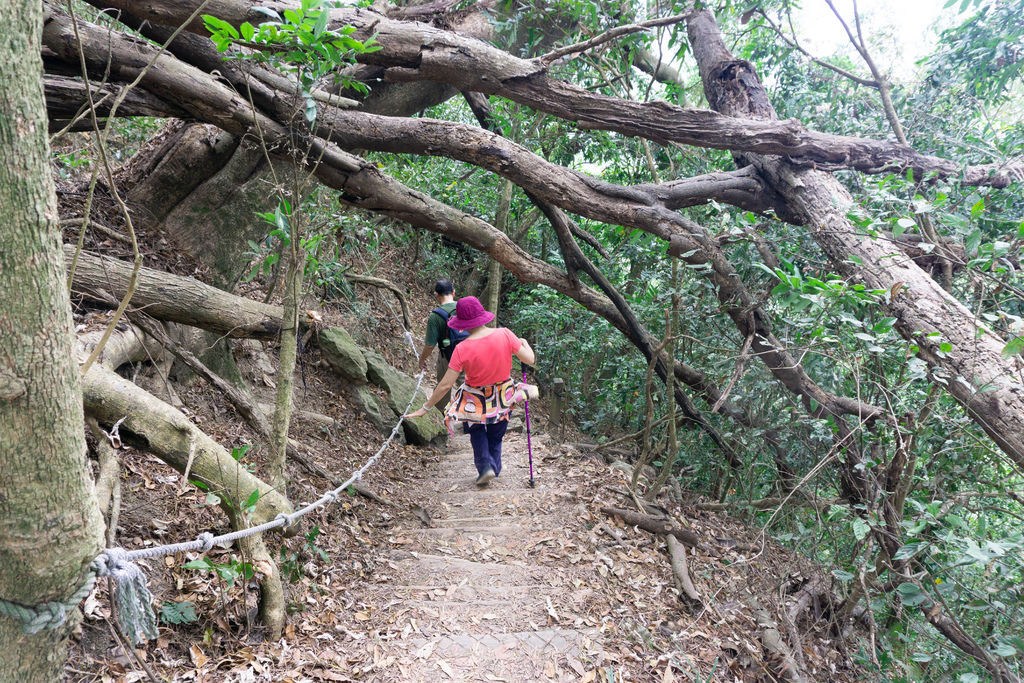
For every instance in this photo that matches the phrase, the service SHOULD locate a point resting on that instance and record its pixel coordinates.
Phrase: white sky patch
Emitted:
(898, 32)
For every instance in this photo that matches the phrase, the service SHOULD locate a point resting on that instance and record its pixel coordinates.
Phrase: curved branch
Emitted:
(413, 51)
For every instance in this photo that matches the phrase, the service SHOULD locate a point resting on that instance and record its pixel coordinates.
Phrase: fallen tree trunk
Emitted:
(156, 427)
(172, 297)
(655, 525)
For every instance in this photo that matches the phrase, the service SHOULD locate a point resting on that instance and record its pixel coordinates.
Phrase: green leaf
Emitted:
(978, 207)
(218, 26)
(202, 563)
(178, 613)
(860, 529)
(911, 594)
(267, 12)
(321, 24)
(972, 242)
(1015, 347)
(909, 550)
(248, 31)
(253, 498)
(945, 347)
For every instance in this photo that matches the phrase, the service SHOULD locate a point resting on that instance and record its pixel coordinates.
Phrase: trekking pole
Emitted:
(529, 446)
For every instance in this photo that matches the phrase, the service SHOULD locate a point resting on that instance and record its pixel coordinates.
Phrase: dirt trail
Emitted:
(473, 596)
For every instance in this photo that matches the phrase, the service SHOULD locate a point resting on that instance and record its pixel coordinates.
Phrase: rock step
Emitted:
(476, 532)
(526, 653)
(449, 483)
(525, 521)
(465, 591)
(426, 568)
(457, 616)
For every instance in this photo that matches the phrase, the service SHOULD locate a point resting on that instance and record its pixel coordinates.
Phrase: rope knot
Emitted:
(285, 518)
(207, 540)
(331, 496)
(113, 562)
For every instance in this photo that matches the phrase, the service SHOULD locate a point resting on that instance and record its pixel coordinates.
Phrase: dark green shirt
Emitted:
(437, 329)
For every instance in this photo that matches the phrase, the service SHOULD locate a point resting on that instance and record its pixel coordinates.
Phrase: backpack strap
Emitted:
(441, 312)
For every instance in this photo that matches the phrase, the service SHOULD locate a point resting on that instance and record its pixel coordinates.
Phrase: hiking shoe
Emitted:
(484, 478)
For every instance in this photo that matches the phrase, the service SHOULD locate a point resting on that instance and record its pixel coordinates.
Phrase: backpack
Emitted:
(454, 336)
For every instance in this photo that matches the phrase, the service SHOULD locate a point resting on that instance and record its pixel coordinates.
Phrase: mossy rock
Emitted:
(343, 354)
(376, 410)
(421, 431)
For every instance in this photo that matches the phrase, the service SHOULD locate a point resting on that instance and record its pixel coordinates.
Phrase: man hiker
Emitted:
(438, 332)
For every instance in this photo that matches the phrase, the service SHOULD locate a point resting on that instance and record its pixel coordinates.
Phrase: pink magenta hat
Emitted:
(469, 313)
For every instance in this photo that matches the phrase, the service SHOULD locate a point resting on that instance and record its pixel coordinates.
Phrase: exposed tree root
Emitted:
(655, 525)
(775, 645)
(677, 556)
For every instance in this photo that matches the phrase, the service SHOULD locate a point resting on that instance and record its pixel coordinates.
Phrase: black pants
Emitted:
(486, 440)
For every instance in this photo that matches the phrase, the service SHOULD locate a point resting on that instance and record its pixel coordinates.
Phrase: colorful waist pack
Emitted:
(483, 405)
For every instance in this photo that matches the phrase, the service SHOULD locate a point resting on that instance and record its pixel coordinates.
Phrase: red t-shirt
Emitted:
(487, 360)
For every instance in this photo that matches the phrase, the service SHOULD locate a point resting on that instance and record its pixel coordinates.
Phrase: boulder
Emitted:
(421, 431)
(381, 373)
(376, 410)
(343, 354)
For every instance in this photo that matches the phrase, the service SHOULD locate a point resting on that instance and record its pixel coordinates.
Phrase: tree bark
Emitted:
(492, 292)
(655, 525)
(288, 352)
(175, 298)
(52, 527)
(154, 426)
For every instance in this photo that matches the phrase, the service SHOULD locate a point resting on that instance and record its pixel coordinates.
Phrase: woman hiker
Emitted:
(484, 402)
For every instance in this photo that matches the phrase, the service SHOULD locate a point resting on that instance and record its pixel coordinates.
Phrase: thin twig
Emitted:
(611, 34)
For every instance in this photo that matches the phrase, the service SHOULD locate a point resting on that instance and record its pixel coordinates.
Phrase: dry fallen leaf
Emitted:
(198, 658)
(445, 667)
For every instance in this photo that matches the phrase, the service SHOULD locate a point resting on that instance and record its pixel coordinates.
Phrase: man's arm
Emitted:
(424, 355)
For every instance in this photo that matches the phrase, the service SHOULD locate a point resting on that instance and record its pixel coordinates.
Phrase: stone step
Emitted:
(426, 568)
(483, 521)
(454, 616)
(466, 591)
(473, 533)
(467, 483)
(536, 655)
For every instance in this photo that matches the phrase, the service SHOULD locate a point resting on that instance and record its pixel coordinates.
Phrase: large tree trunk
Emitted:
(51, 527)
(973, 370)
(175, 298)
(202, 187)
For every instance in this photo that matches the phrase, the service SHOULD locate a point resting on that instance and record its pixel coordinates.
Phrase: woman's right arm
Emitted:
(525, 352)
